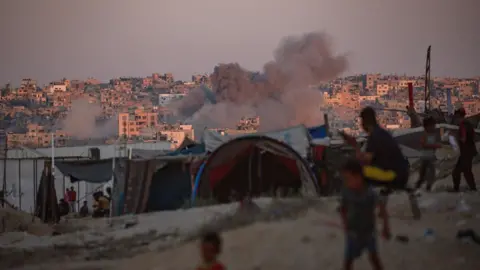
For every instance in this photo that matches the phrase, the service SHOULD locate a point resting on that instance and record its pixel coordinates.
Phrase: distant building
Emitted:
(132, 124)
(56, 87)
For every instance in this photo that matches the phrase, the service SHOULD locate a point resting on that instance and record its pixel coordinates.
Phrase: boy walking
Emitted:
(358, 204)
(429, 144)
(210, 249)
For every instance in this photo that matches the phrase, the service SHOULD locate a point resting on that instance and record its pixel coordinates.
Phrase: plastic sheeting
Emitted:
(91, 171)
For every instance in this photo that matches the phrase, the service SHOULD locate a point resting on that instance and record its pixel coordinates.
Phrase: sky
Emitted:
(51, 39)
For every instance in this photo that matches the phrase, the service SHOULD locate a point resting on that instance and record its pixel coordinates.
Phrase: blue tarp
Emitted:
(319, 132)
(197, 183)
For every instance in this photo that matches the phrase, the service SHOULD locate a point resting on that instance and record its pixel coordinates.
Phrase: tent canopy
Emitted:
(254, 165)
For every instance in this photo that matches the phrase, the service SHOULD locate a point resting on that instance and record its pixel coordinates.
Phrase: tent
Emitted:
(254, 165)
(152, 185)
(140, 185)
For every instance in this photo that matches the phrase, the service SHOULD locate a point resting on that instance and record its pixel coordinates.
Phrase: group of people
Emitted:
(383, 164)
(101, 204)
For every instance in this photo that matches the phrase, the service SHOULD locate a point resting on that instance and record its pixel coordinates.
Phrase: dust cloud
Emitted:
(82, 121)
(280, 95)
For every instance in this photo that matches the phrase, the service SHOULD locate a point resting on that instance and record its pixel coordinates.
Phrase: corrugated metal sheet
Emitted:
(106, 151)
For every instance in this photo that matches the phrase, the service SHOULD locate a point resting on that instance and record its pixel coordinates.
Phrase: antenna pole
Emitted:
(427, 81)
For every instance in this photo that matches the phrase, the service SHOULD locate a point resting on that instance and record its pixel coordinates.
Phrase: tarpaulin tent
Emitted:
(152, 185)
(253, 165)
(141, 185)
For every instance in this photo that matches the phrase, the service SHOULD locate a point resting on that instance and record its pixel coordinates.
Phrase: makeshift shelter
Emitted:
(255, 164)
(140, 185)
(154, 185)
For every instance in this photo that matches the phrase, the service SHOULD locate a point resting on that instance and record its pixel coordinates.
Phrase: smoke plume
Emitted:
(280, 95)
(82, 122)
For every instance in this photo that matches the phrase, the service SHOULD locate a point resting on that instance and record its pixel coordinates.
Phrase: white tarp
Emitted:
(296, 137)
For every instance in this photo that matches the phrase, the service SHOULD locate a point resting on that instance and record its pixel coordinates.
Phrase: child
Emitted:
(429, 145)
(358, 204)
(211, 247)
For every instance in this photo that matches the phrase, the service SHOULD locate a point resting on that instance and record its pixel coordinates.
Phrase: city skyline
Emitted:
(52, 39)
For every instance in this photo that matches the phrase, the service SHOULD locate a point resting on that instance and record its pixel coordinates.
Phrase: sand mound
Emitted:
(12, 220)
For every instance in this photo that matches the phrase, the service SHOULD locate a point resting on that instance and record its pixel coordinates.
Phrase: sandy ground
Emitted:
(277, 239)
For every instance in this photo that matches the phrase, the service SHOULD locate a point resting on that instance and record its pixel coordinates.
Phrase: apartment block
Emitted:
(131, 124)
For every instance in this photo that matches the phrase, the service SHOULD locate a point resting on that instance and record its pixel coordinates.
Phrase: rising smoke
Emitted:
(82, 122)
(280, 95)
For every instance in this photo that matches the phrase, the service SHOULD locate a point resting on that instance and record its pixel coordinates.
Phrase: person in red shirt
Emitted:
(210, 249)
(72, 197)
(468, 151)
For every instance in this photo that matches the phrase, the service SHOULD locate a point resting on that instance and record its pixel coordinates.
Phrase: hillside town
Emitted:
(140, 106)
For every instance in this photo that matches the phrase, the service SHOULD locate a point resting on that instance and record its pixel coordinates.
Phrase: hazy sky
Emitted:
(51, 39)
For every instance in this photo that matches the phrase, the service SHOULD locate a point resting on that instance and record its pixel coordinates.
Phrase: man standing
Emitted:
(383, 160)
(468, 150)
(72, 198)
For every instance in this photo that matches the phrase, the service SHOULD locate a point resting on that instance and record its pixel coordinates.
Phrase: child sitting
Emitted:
(358, 204)
(210, 248)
